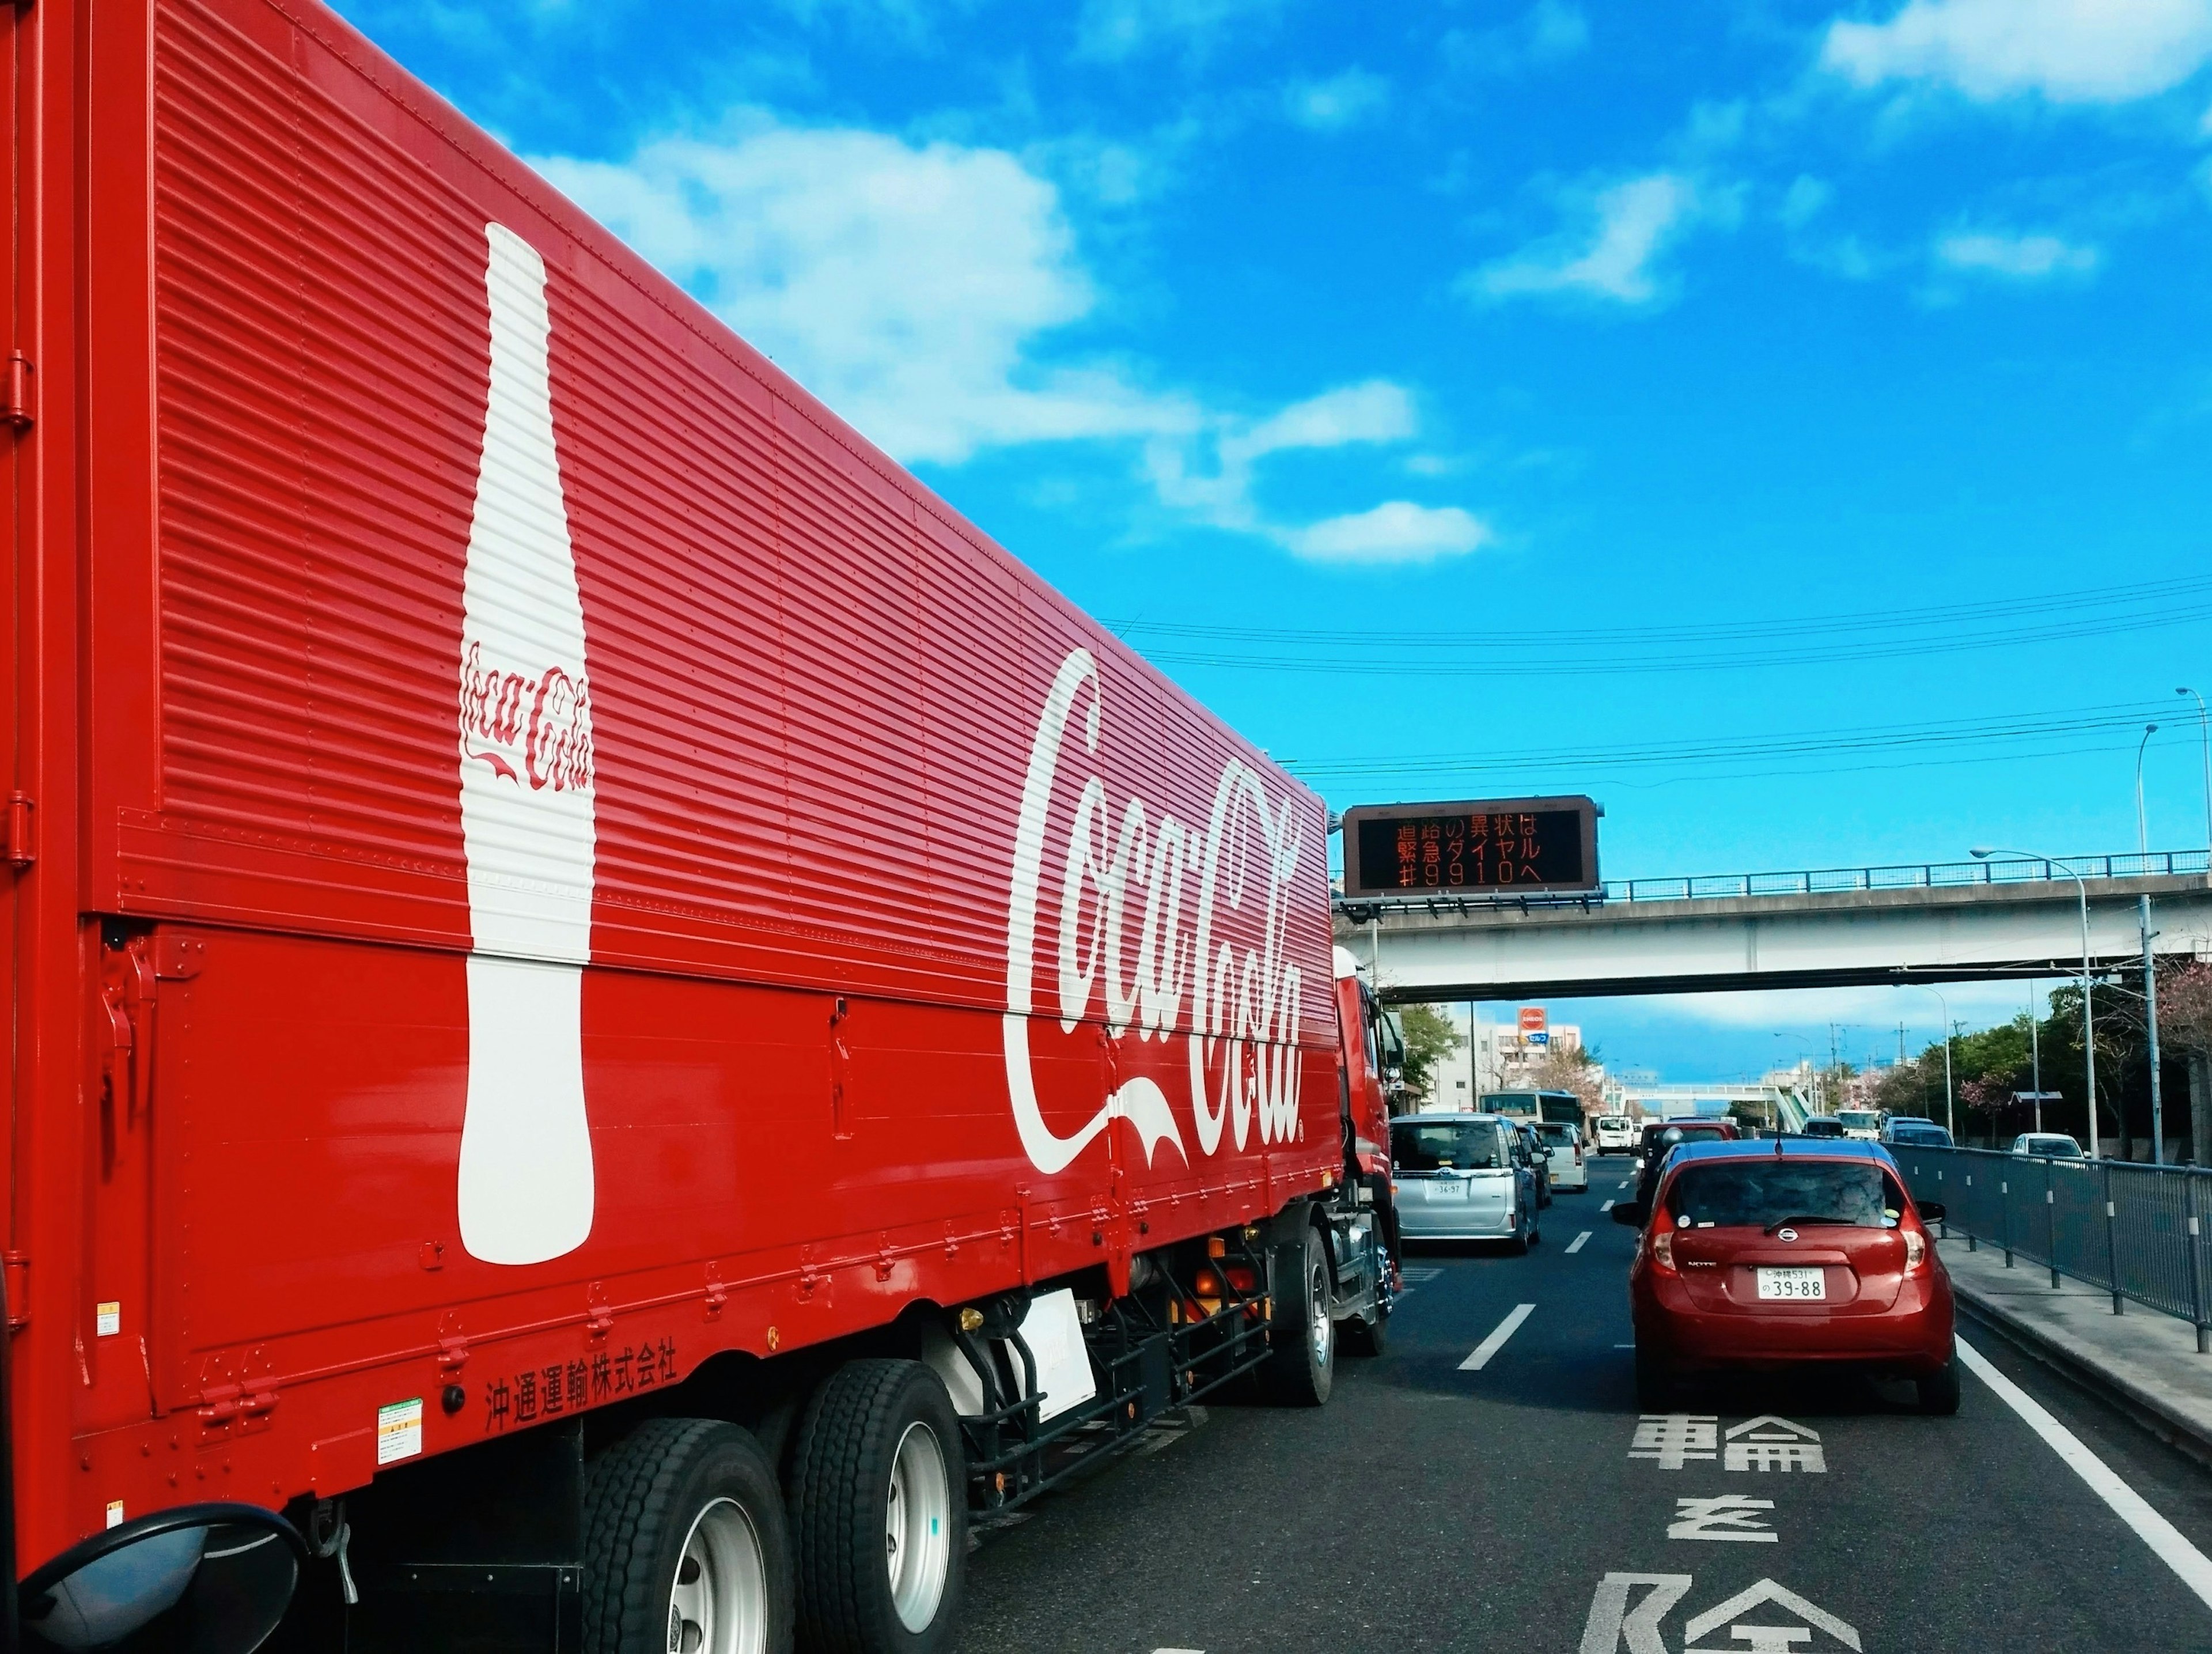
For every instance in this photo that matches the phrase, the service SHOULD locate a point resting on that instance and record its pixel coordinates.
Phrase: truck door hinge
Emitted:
(19, 853)
(18, 1268)
(18, 390)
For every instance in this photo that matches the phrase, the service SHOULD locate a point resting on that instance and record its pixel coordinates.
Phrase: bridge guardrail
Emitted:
(2137, 1231)
(1925, 875)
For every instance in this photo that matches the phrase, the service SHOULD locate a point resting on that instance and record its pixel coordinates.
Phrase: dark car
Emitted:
(1661, 1137)
(1788, 1253)
(1539, 1159)
(1823, 1125)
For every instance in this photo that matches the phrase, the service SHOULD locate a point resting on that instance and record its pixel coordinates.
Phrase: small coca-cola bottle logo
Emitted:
(534, 727)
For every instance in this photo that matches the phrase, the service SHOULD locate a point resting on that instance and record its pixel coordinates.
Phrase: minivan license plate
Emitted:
(1803, 1286)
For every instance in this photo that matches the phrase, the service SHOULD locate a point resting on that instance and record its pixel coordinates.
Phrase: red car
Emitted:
(1778, 1254)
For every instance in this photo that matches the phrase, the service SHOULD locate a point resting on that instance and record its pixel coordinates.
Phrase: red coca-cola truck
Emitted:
(615, 1017)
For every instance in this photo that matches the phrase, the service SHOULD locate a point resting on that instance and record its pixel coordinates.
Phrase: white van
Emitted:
(1616, 1134)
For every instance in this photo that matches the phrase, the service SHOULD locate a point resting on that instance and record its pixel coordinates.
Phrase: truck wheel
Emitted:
(684, 1545)
(879, 1503)
(1301, 1366)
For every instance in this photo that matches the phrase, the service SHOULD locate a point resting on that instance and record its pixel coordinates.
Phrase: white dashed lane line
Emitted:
(2154, 1530)
(1607, 1207)
(1576, 1244)
(1490, 1346)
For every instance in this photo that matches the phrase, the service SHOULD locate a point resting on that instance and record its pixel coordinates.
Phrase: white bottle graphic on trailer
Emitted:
(525, 1184)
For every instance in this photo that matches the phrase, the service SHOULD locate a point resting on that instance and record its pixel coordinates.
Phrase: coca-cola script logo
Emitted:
(539, 728)
(1238, 1012)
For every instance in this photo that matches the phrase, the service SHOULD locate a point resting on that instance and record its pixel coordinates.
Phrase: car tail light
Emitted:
(1915, 1246)
(1662, 1250)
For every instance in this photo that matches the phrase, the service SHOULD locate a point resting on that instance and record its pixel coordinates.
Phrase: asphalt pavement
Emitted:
(1473, 1491)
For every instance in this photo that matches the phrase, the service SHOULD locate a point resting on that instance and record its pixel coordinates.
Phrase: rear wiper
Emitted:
(1811, 1218)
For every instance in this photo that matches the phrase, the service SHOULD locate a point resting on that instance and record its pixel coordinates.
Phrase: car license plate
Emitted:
(1803, 1286)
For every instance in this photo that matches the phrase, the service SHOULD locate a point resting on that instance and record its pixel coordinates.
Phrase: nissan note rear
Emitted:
(1784, 1255)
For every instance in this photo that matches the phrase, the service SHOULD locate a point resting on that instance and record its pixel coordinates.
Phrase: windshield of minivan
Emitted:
(1552, 1131)
(1757, 1193)
(1442, 1145)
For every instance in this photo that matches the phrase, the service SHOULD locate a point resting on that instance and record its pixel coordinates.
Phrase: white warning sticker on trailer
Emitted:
(398, 1430)
(107, 1318)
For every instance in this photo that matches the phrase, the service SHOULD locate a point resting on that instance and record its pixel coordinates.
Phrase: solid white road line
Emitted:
(1495, 1341)
(1576, 1244)
(1607, 1207)
(2154, 1530)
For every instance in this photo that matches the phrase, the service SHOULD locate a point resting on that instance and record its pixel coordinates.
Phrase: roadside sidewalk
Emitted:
(2145, 1361)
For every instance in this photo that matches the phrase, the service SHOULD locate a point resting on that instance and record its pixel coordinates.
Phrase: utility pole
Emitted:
(2035, 1055)
(2150, 969)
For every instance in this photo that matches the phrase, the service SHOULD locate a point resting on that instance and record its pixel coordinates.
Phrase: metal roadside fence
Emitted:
(2135, 1231)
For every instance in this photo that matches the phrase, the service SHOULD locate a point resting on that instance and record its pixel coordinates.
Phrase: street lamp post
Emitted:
(1983, 852)
(2204, 739)
(1927, 988)
(2150, 966)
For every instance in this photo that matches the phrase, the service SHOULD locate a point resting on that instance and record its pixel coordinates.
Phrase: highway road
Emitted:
(1522, 1504)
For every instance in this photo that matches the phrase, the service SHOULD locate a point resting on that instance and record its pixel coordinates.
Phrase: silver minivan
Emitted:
(1463, 1176)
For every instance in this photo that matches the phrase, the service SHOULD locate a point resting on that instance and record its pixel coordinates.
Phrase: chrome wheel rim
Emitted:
(1320, 1327)
(918, 1526)
(719, 1603)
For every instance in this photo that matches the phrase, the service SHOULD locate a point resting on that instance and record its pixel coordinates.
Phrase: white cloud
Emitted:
(1398, 532)
(1111, 31)
(903, 284)
(1633, 222)
(2016, 258)
(1354, 415)
(1806, 197)
(917, 288)
(1339, 101)
(1549, 32)
(2068, 50)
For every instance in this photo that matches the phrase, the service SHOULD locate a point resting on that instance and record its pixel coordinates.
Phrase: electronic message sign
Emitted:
(1506, 847)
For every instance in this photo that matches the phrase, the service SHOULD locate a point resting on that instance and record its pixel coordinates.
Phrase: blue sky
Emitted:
(1790, 423)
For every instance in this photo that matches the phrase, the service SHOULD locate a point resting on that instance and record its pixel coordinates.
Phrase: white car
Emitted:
(2046, 1146)
(1563, 1149)
(1616, 1134)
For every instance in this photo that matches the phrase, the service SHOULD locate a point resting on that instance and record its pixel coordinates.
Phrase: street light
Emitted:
(2204, 737)
(1983, 852)
(1927, 988)
(2150, 967)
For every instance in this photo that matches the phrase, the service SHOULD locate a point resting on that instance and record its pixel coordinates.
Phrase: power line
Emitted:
(2020, 729)
(1871, 635)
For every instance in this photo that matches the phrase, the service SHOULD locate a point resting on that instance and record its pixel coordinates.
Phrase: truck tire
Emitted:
(1300, 1370)
(684, 1544)
(879, 1506)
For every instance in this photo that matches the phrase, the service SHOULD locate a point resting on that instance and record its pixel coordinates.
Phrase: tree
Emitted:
(1570, 1069)
(1430, 1037)
(2184, 1008)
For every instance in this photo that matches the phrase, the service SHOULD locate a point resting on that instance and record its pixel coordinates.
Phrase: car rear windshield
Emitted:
(1690, 1131)
(2065, 1147)
(1554, 1133)
(1921, 1136)
(1758, 1193)
(1455, 1144)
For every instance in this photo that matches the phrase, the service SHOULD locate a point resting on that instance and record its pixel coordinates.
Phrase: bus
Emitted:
(1556, 1108)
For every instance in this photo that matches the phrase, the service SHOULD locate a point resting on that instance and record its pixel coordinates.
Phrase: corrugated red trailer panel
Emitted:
(826, 916)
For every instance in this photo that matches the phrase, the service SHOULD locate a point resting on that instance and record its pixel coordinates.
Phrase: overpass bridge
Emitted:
(1833, 927)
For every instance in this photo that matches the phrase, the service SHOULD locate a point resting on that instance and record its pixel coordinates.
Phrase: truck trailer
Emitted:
(616, 1019)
